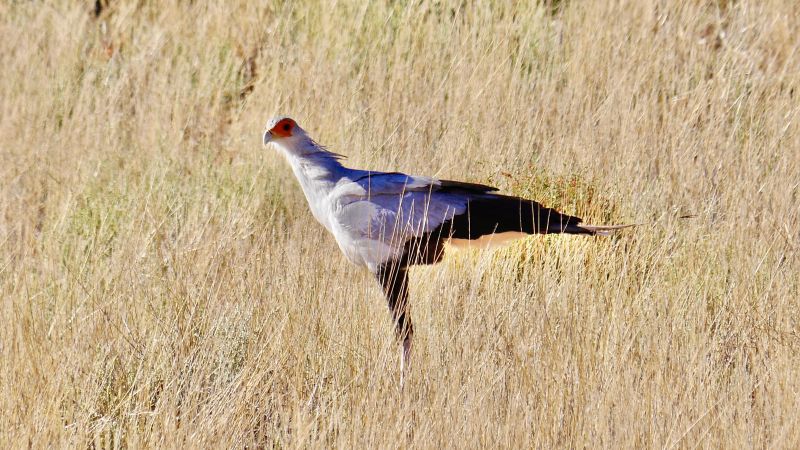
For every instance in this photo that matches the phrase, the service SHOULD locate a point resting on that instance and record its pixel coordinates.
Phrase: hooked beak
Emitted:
(267, 137)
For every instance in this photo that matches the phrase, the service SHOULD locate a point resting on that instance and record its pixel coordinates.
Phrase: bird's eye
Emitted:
(286, 127)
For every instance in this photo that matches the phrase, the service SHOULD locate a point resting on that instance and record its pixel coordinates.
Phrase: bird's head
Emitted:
(287, 135)
(283, 130)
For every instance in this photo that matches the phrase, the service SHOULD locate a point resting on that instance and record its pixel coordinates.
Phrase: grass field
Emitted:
(164, 284)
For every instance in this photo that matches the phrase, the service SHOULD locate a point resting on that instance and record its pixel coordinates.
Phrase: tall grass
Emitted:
(163, 283)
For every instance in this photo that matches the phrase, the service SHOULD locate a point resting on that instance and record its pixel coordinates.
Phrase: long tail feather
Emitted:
(604, 230)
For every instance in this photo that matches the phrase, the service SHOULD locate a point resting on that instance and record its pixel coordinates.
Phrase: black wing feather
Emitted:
(494, 213)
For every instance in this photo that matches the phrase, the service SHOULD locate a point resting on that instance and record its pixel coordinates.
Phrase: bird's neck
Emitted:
(317, 170)
(312, 164)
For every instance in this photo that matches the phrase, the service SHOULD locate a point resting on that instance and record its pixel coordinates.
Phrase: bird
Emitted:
(390, 221)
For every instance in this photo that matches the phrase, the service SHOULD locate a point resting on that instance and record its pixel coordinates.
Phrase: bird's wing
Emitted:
(399, 205)
(395, 218)
(377, 183)
(377, 214)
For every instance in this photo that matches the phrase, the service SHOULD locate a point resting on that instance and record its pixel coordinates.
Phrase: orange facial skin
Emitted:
(283, 128)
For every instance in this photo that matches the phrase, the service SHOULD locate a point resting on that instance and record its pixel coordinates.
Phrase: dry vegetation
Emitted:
(164, 285)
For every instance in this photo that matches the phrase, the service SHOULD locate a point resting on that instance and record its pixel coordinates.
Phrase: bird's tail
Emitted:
(495, 214)
(606, 230)
(599, 230)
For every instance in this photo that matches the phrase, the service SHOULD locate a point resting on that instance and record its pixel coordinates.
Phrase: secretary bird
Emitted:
(389, 221)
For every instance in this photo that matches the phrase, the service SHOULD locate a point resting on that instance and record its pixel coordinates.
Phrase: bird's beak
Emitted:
(267, 137)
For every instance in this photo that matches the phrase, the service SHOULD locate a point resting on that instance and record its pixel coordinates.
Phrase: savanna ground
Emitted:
(164, 285)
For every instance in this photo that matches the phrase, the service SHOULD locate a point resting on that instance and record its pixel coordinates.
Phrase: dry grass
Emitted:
(163, 284)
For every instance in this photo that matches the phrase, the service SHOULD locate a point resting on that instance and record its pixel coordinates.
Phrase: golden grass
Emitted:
(164, 285)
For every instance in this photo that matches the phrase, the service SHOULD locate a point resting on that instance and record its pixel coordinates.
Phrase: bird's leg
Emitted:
(394, 280)
(405, 359)
(405, 333)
